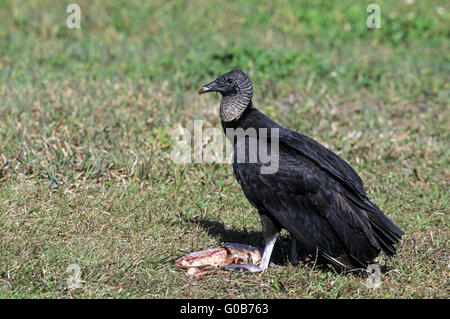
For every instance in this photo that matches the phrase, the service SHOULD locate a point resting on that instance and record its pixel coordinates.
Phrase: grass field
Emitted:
(86, 118)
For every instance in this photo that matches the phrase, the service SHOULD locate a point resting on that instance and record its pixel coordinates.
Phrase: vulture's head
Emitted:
(237, 91)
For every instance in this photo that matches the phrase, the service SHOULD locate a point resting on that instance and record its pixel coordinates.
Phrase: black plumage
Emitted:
(314, 194)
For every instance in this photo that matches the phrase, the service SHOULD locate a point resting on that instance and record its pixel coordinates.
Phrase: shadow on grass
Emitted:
(218, 230)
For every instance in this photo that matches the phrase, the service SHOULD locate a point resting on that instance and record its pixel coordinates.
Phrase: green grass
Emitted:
(86, 118)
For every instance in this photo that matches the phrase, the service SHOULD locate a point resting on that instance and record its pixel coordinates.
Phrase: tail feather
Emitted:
(385, 231)
(386, 235)
(379, 231)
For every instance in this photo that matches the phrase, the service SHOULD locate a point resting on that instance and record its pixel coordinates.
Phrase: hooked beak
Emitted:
(203, 90)
(211, 87)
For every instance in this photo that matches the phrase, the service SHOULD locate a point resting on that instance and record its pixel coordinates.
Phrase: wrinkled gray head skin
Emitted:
(237, 91)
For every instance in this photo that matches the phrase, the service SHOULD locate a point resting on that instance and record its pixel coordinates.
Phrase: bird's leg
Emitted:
(294, 254)
(264, 263)
(271, 230)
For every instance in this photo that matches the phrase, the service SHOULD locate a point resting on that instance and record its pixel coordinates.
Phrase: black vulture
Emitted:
(312, 193)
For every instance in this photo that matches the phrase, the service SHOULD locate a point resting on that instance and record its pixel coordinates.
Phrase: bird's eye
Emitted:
(230, 81)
